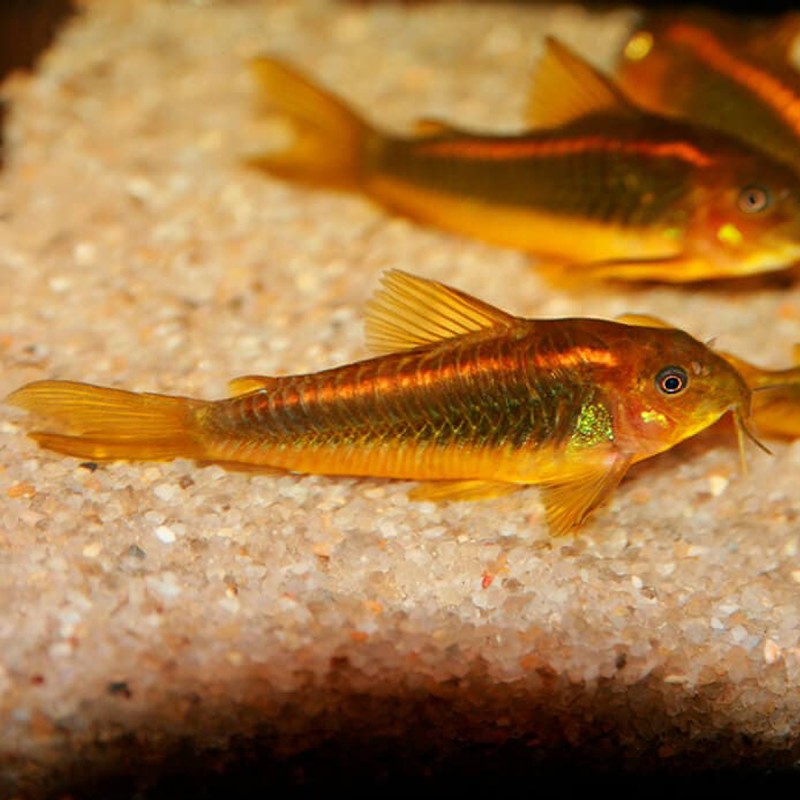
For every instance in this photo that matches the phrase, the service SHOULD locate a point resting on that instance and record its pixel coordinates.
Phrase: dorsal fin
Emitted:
(644, 321)
(439, 491)
(249, 383)
(408, 311)
(566, 87)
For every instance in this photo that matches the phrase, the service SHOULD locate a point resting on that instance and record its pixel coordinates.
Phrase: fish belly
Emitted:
(565, 238)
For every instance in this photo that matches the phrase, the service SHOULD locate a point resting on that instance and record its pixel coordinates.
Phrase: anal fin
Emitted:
(441, 491)
(237, 466)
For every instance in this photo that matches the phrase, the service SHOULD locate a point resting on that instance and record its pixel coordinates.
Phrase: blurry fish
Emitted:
(731, 73)
(602, 188)
(471, 400)
(776, 396)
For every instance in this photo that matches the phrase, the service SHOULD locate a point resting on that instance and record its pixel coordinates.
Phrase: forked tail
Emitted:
(97, 423)
(330, 140)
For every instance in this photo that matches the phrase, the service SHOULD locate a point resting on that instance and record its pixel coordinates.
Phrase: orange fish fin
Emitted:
(250, 383)
(796, 354)
(440, 491)
(670, 269)
(568, 504)
(409, 311)
(250, 469)
(100, 423)
(777, 416)
(566, 87)
(752, 374)
(644, 321)
(330, 139)
(430, 126)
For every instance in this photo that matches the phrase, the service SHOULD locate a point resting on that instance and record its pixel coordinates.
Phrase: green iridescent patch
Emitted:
(594, 425)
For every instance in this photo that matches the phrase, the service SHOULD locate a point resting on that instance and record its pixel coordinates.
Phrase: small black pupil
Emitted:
(753, 198)
(672, 380)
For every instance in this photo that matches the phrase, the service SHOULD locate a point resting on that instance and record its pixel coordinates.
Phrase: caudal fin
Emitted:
(329, 139)
(98, 423)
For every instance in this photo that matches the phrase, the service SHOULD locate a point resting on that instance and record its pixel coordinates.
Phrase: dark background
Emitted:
(28, 26)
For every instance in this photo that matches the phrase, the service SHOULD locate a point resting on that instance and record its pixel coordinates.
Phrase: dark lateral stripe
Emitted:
(493, 150)
(783, 100)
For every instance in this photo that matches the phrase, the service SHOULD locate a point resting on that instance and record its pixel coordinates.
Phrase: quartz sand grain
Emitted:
(179, 603)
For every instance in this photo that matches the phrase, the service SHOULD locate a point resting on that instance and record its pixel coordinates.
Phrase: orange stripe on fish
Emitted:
(502, 150)
(575, 357)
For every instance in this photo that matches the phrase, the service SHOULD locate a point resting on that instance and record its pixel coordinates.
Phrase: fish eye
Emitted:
(753, 199)
(672, 380)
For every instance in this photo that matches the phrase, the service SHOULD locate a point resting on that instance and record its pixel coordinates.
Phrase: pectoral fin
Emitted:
(439, 491)
(672, 269)
(568, 504)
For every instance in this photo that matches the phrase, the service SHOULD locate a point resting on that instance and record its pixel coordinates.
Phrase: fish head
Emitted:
(673, 387)
(745, 214)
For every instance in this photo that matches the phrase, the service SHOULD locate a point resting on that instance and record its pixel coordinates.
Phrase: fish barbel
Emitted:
(775, 406)
(599, 186)
(728, 72)
(470, 400)
(776, 396)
